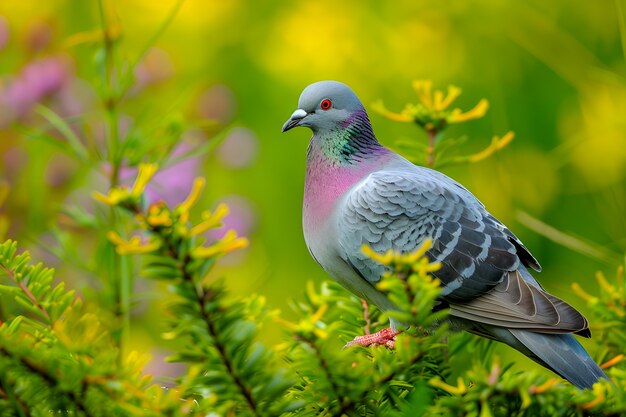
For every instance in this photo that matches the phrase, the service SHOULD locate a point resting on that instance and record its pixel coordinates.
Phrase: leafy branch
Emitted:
(433, 114)
(221, 334)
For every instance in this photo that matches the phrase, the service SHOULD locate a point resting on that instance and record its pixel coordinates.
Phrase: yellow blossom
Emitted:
(543, 387)
(424, 267)
(313, 296)
(416, 259)
(419, 252)
(307, 325)
(526, 400)
(496, 144)
(459, 389)
(132, 246)
(210, 220)
(113, 32)
(404, 117)
(423, 90)
(384, 259)
(118, 195)
(604, 283)
(144, 175)
(458, 116)
(159, 215)
(485, 411)
(229, 243)
(443, 103)
(433, 111)
(599, 392)
(582, 293)
(192, 198)
(115, 196)
(612, 362)
(319, 313)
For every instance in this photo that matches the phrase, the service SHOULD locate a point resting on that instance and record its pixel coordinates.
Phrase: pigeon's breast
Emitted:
(325, 186)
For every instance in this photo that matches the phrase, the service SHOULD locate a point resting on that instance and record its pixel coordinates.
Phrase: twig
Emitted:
(345, 404)
(50, 379)
(245, 391)
(26, 291)
(202, 298)
(569, 241)
(430, 150)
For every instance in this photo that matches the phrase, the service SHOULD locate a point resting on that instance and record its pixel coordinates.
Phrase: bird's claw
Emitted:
(385, 337)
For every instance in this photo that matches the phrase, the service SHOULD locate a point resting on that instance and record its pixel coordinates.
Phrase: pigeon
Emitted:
(359, 192)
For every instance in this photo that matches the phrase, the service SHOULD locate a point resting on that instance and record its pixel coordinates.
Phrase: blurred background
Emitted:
(229, 73)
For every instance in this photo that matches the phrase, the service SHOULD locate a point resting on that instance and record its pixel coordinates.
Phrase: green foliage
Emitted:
(610, 309)
(57, 356)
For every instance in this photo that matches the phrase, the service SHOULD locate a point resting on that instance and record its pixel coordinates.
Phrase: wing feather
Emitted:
(483, 263)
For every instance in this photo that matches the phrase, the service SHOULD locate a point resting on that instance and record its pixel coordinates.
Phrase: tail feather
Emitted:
(563, 354)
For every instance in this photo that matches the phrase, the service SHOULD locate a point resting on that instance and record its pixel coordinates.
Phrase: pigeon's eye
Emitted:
(326, 104)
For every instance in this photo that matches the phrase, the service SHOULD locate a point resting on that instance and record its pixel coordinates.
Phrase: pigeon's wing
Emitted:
(401, 209)
(482, 261)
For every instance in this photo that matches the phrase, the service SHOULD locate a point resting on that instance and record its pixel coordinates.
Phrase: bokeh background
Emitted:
(553, 72)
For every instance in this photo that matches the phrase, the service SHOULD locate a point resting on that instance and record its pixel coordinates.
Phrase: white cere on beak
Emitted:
(298, 114)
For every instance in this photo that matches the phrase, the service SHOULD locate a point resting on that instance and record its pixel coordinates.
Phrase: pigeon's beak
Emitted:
(294, 120)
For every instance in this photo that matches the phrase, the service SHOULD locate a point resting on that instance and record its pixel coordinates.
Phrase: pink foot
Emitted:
(385, 337)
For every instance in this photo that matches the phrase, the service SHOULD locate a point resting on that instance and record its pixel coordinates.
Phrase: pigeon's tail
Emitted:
(561, 353)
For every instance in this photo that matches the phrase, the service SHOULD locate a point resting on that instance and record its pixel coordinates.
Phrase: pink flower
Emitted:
(173, 183)
(217, 103)
(241, 217)
(37, 80)
(155, 67)
(170, 184)
(239, 149)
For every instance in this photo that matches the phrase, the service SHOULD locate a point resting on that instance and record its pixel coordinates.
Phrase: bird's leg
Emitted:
(385, 337)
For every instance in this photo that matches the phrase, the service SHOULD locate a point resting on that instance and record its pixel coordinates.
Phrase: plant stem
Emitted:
(221, 349)
(51, 379)
(202, 298)
(155, 36)
(345, 404)
(430, 150)
(119, 272)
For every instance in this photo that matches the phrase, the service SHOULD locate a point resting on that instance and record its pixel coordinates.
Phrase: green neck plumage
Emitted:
(355, 141)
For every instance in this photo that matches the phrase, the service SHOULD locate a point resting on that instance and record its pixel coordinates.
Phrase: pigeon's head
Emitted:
(323, 106)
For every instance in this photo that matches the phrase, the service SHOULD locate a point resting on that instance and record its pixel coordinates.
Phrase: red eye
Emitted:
(326, 104)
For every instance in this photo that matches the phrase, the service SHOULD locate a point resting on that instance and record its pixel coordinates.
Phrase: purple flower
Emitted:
(39, 35)
(241, 217)
(173, 183)
(170, 184)
(47, 75)
(37, 80)
(155, 67)
(239, 149)
(76, 97)
(217, 103)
